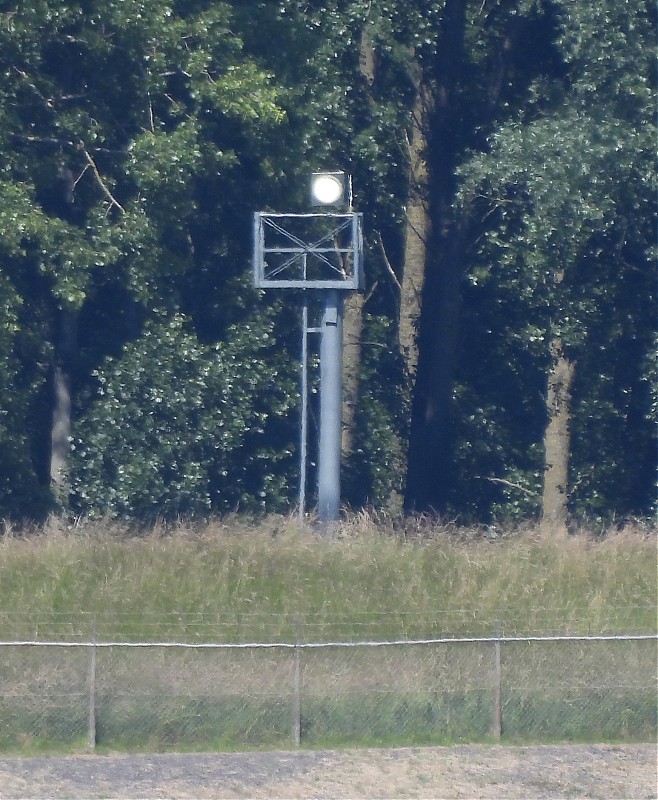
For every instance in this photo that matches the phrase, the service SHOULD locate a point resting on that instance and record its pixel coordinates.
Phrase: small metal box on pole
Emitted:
(320, 253)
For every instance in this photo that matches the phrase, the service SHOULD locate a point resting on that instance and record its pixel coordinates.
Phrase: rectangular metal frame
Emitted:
(350, 250)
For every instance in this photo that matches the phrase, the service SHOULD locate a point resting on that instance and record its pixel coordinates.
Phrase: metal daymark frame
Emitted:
(308, 251)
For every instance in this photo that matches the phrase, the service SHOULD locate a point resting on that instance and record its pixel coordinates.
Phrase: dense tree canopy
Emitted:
(503, 156)
(572, 198)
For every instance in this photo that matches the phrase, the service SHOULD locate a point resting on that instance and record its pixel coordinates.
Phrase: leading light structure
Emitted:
(319, 253)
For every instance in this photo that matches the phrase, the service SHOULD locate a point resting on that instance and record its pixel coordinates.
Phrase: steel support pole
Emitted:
(331, 364)
(303, 432)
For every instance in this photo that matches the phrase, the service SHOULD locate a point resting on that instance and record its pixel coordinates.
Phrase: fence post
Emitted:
(297, 687)
(91, 711)
(497, 726)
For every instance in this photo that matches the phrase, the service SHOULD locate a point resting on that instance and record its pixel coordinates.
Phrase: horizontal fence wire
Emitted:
(258, 627)
(339, 644)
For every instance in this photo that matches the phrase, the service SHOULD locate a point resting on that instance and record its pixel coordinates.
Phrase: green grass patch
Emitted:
(235, 723)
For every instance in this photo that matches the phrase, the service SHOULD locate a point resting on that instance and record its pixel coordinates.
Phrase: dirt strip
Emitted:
(472, 772)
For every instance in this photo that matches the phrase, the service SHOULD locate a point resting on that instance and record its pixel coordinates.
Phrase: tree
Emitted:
(478, 68)
(129, 129)
(572, 203)
(179, 428)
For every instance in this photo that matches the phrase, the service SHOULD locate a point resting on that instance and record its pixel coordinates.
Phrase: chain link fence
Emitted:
(60, 688)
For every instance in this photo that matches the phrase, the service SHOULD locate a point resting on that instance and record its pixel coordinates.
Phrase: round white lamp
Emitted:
(328, 188)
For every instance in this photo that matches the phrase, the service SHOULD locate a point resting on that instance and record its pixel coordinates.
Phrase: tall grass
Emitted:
(230, 579)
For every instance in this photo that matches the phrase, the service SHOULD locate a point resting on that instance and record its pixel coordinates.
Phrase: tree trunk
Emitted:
(429, 457)
(448, 128)
(352, 329)
(557, 441)
(429, 463)
(60, 437)
(417, 228)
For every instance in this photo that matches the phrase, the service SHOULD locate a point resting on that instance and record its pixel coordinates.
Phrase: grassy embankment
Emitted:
(375, 582)
(229, 581)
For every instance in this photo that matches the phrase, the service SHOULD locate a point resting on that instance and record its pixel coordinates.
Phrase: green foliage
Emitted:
(126, 133)
(570, 199)
(18, 483)
(179, 428)
(375, 472)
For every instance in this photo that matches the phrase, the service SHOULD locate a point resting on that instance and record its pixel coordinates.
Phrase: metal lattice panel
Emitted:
(308, 251)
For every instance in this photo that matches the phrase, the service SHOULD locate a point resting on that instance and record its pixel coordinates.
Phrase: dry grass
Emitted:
(375, 577)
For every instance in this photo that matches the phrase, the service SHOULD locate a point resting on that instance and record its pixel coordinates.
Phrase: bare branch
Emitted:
(113, 201)
(422, 238)
(55, 142)
(46, 100)
(511, 484)
(371, 292)
(387, 262)
(79, 178)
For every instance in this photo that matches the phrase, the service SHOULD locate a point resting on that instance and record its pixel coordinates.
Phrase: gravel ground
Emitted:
(608, 772)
